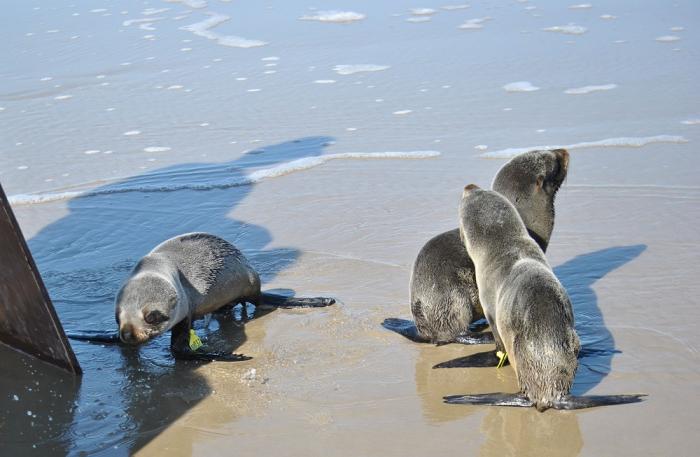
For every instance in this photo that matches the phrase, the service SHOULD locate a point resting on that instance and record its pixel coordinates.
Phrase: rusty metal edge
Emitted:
(73, 365)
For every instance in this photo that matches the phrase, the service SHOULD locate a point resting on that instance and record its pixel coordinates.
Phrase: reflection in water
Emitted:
(598, 346)
(128, 396)
(433, 384)
(525, 432)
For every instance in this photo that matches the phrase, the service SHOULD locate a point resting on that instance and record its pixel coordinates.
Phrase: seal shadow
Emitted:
(37, 405)
(597, 343)
(86, 255)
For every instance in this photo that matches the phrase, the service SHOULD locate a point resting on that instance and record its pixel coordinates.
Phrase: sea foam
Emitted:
(358, 68)
(333, 16)
(220, 177)
(475, 24)
(454, 7)
(520, 86)
(570, 29)
(190, 3)
(621, 142)
(668, 38)
(423, 11)
(202, 29)
(589, 89)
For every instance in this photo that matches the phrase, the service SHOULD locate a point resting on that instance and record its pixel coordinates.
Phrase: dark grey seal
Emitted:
(528, 309)
(181, 280)
(443, 292)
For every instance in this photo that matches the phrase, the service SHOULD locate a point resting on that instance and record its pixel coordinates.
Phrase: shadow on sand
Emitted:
(128, 396)
(598, 345)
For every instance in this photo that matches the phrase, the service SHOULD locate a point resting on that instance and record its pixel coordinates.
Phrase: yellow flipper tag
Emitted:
(195, 342)
(502, 357)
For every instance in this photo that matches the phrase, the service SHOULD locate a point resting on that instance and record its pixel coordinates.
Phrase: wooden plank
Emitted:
(28, 320)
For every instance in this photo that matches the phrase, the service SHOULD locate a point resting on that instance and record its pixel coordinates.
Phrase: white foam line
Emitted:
(621, 142)
(144, 23)
(202, 29)
(589, 89)
(286, 168)
(358, 68)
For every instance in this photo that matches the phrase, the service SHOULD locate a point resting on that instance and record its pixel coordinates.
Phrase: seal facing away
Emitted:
(443, 291)
(183, 279)
(527, 307)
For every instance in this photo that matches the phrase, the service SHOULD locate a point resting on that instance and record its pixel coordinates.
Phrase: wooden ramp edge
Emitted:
(28, 320)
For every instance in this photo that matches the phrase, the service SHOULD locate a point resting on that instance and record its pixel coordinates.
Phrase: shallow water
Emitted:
(213, 153)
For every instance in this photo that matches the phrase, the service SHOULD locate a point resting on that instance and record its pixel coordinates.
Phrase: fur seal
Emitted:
(181, 280)
(443, 292)
(528, 309)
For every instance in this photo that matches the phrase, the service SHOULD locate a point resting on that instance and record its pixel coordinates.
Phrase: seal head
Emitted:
(146, 306)
(531, 181)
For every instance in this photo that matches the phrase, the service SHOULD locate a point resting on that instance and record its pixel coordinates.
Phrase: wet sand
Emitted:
(333, 381)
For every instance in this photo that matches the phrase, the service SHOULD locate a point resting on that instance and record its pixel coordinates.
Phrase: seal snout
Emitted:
(130, 335)
(468, 188)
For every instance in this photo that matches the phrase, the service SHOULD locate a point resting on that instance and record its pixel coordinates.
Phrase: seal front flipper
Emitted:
(478, 360)
(94, 336)
(493, 399)
(479, 325)
(209, 356)
(405, 328)
(568, 402)
(280, 301)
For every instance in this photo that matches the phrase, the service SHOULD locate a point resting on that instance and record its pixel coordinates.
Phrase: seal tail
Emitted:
(568, 402)
(280, 301)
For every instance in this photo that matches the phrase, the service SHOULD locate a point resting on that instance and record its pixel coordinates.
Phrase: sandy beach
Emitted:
(329, 142)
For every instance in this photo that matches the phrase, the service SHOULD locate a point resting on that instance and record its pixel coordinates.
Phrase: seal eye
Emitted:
(155, 318)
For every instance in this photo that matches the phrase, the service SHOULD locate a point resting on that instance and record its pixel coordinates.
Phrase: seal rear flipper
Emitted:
(570, 402)
(492, 399)
(94, 336)
(474, 338)
(478, 325)
(280, 301)
(478, 360)
(404, 328)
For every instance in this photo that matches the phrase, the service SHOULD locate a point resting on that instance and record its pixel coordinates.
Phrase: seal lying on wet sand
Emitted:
(444, 296)
(527, 307)
(183, 279)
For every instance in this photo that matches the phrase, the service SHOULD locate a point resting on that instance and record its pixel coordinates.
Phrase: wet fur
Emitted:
(184, 277)
(443, 292)
(529, 310)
